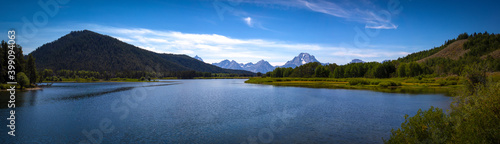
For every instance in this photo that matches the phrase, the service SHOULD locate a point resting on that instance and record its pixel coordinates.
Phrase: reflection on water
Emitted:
(208, 111)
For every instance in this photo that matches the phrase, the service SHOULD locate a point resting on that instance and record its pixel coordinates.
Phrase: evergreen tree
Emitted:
(31, 69)
(20, 62)
(3, 61)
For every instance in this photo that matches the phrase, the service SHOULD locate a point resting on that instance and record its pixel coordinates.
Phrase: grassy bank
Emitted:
(83, 80)
(443, 85)
(221, 77)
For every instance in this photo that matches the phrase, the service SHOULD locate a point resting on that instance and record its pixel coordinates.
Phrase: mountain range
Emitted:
(264, 66)
(261, 66)
(87, 50)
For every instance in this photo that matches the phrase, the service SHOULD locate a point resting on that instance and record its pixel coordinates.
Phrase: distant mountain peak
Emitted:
(301, 59)
(228, 64)
(303, 53)
(198, 58)
(357, 61)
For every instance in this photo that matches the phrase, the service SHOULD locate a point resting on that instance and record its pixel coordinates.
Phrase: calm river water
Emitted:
(207, 111)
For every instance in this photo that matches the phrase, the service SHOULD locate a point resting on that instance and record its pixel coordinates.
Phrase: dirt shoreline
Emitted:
(25, 89)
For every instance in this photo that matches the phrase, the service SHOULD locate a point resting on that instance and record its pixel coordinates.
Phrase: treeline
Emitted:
(446, 66)
(50, 75)
(482, 43)
(24, 66)
(353, 70)
(434, 67)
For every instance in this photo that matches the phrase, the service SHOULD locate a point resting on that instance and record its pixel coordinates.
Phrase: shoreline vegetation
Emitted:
(473, 118)
(390, 85)
(412, 85)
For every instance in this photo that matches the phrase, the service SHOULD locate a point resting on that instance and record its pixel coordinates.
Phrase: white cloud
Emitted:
(367, 53)
(214, 47)
(248, 21)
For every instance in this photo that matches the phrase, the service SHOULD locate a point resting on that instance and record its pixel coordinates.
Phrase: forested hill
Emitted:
(465, 46)
(87, 50)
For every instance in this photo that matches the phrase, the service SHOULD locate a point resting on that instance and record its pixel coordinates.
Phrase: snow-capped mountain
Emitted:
(261, 66)
(228, 65)
(248, 65)
(198, 58)
(303, 58)
(357, 61)
(264, 66)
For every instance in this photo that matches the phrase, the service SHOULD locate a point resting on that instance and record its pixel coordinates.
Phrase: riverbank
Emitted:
(392, 85)
(4, 87)
(81, 80)
(221, 77)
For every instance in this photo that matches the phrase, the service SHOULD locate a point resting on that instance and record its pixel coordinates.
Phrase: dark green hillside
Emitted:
(87, 50)
(426, 53)
(471, 46)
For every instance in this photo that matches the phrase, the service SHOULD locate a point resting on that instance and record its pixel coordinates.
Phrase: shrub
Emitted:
(442, 82)
(389, 83)
(452, 78)
(429, 126)
(358, 81)
(474, 118)
(374, 82)
(23, 80)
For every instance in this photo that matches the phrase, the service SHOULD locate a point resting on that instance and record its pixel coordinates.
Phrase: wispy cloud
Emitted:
(251, 22)
(363, 12)
(368, 53)
(248, 21)
(215, 47)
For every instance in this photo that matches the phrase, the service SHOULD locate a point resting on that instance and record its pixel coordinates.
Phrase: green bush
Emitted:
(23, 80)
(442, 82)
(389, 83)
(474, 118)
(358, 82)
(374, 82)
(453, 78)
(429, 126)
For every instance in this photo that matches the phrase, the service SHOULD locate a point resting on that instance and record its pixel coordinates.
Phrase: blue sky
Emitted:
(248, 31)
